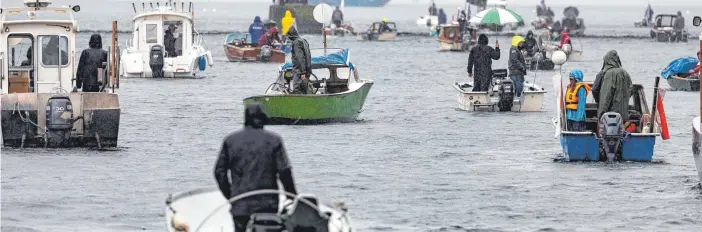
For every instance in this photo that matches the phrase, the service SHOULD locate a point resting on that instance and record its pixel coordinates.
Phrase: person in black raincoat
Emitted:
(530, 44)
(301, 60)
(442, 19)
(337, 17)
(255, 159)
(169, 42)
(679, 26)
(612, 87)
(90, 60)
(480, 63)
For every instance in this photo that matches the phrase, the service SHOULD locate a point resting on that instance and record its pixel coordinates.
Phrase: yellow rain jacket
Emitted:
(516, 40)
(286, 22)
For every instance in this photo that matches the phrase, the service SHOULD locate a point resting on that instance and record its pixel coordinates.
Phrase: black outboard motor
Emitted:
(156, 60)
(59, 120)
(610, 136)
(265, 222)
(265, 53)
(504, 88)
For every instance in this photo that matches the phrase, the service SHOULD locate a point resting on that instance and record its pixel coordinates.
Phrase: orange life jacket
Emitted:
(571, 97)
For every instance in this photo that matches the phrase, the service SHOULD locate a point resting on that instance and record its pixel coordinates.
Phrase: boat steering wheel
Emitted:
(310, 83)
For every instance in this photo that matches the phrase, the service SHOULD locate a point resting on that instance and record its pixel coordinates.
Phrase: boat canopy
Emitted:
(334, 57)
(665, 20)
(680, 65)
(571, 12)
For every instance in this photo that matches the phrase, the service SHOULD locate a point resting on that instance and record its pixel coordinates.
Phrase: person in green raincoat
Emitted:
(612, 87)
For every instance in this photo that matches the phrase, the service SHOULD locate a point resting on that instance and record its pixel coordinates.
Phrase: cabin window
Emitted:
(54, 50)
(20, 49)
(151, 33)
(173, 37)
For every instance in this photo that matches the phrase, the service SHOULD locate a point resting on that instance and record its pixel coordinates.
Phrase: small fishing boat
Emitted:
(663, 31)
(344, 30)
(147, 54)
(450, 39)
(373, 33)
(336, 92)
(678, 77)
(696, 127)
(238, 48)
(206, 209)
(634, 143)
(41, 106)
(501, 96)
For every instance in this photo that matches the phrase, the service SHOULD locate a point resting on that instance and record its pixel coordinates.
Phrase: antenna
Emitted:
(157, 5)
(134, 7)
(143, 6)
(182, 6)
(152, 5)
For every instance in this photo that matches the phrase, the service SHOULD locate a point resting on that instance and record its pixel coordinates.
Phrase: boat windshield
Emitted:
(665, 20)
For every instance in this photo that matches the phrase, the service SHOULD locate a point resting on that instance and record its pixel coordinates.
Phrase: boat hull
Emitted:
(445, 46)
(584, 146)
(251, 54)
(696, 142)
(98, 128)
(387, 36)
(313, 109)
(531, 100)
(677, 83)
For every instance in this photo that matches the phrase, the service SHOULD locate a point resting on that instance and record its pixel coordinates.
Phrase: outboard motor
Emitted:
(265, 53)
(265, 222)
(156, 60)
(610, 135)
(503, 87)
(59, 119)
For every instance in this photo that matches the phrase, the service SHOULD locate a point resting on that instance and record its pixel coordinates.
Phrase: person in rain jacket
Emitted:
(648, 15)
(480, 63)
(575, 99)
(530, 44)
(517, 65)
(169, 42)
(301, 60)
(256, 29)
(679, 26)
(337, 17)
(90, 60)
(286, 22)
(384, 25)
(565, 38)
(269, 38)
(432, 8)
(255, 159)
(442, 17)
(612, 87)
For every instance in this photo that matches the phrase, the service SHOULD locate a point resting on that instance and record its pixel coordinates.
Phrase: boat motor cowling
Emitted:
(265, 53)
(610, 130)
(156, 60)
(59, 113)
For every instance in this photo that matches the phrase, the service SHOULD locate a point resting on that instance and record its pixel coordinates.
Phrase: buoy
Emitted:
(559, 57)
(202, 63)
(179, 224)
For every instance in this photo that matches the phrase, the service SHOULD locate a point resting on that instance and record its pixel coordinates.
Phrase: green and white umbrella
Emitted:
(496, 16)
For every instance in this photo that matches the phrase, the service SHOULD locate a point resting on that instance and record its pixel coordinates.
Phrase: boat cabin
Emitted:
(450, 33)
(665, 20)
(37, 48)
(375, 27)
(157, 25)
(331, 73)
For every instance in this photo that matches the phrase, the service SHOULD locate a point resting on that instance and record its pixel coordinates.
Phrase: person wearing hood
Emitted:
(648, 15)
(432, 9)
(90, 61)
(462, 19)
(337, 17)
(530, 44)
(169, 41)
(516, 64)
(612, 87)
(255, 159)
(301, 61)
(480, 63)
(575, 99)
(51, 52)
(565, 39)
(269, 38)
(286, 22)
(256, 30)
(442, 17)
(679, 26)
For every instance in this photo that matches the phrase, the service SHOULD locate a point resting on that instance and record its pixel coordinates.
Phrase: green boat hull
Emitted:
(313, 109)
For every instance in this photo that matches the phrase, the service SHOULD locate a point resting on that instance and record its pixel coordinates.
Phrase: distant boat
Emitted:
(352, 3)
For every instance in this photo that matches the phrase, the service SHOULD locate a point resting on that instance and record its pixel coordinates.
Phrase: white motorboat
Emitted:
(501, 96)
(206, 209)
(696, 142)
(146, 54)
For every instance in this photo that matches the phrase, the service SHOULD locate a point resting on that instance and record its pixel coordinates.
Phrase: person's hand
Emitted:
(497, 44)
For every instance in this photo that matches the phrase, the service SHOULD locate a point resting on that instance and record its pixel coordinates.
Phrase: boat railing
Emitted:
(168, 6)
(199, 40)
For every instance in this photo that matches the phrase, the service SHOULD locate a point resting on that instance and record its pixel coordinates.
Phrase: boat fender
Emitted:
(202, 63)
(179, 224)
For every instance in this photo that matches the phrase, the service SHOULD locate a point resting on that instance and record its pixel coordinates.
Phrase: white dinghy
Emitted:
(501, 95)
(206, 209)
(147, 54)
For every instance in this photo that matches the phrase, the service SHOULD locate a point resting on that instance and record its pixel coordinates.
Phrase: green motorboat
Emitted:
(336, 93)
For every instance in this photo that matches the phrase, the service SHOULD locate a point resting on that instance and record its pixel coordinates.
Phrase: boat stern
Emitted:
(696, 143)
(639, 147)
(580, 146)
(532, 99)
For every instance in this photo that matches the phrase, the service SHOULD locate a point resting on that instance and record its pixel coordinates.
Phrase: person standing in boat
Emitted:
(575, 99)
(337, 17)
(301, 60)
(530, 44)
(432, 9)
(256, 159)
(612, 87)
(565, 39)
(442, 17)
(169, 41)
(256, 30)
(269, 38)
(91, 60)
(480, 63)
(516, 64)
(679, 26)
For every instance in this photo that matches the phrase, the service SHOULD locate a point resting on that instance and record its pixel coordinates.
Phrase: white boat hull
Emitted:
(194, 206)
(386, 36)
(530, 101)
(696, 143)
(136, 64)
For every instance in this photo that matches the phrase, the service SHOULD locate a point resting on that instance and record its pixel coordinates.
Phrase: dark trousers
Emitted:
(337, 23)
(91, 88)
(576, 126)
(481, 84)
(518, 84)
(678, 36)
(299, 85)
(240, 223)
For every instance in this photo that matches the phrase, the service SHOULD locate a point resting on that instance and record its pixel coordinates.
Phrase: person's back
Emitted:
(614, 88)
(301, 60)
(337, 17)
(255, 159)
(480, 63)
(256, 30)
(91, 60)
(679, 22)
(442, 17)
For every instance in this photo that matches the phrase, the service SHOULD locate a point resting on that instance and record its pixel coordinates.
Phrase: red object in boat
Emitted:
(661, 117)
